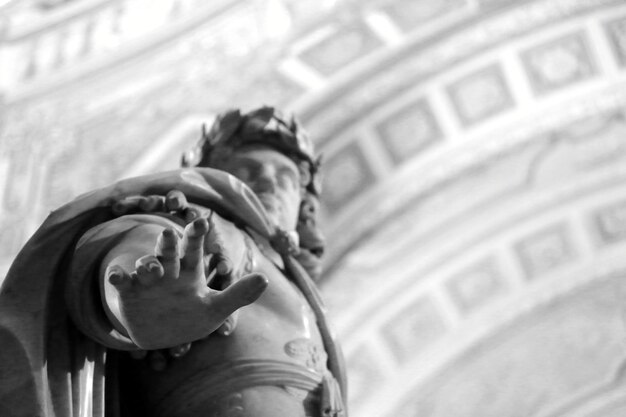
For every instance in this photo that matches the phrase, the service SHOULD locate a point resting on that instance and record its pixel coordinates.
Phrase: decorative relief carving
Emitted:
(476, 286)
(559, 63)
(617, 35)
(414, 329)
(546, 250)
(329, 117)
(585, 136)
(411, 15)
(610, 222)
(558, 352)
(312, 355)
(480, 95)
(409, 130)
(428, 206)
(590, 143)
(340, 48)
(346, 174)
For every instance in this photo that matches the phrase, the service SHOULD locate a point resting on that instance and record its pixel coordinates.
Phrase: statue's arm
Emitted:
(153, 284)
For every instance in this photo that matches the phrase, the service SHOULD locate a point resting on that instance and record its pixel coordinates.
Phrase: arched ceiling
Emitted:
(474, 157)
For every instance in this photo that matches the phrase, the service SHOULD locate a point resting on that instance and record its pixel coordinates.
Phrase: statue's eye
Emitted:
(288, 178)
(247, 170)
(244, 173)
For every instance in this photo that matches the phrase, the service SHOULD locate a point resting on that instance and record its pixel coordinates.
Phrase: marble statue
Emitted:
(184, 293)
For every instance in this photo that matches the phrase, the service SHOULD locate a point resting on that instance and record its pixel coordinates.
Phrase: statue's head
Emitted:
(274, 156)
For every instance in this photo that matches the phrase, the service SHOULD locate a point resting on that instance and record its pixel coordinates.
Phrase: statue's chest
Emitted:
(282, 295)
(282, 308)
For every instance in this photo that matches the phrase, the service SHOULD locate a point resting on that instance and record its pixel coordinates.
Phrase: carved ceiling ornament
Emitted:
(397, 192)
(388, 75)
(492, 186)
(527, 356)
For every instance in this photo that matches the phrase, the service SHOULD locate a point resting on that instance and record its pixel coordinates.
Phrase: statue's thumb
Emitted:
(241, 293)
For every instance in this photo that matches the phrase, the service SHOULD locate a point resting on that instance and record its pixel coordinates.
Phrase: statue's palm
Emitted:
(166, 301)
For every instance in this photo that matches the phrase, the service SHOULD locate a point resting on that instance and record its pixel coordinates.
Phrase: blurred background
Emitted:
(475, 170)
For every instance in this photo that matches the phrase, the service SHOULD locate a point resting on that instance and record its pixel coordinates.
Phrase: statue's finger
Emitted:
(243, 292)
(224, 266)
(168, 251)
(193, 243)
(176, 201)
(127, 205)
(180, 350)
(228, 327)
(191, 214)
(119, 278)
(213, 242)
(148, 269)
(152, 204)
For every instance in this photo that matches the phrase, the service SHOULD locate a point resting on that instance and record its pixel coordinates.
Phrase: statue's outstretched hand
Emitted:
(166, 301)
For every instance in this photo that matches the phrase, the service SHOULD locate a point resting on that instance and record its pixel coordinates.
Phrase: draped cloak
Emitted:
(48, 368)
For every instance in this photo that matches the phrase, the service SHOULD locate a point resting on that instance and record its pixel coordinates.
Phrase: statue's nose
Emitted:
(266, 180)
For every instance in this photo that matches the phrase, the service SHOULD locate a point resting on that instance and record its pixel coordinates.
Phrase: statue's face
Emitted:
(273, 177)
